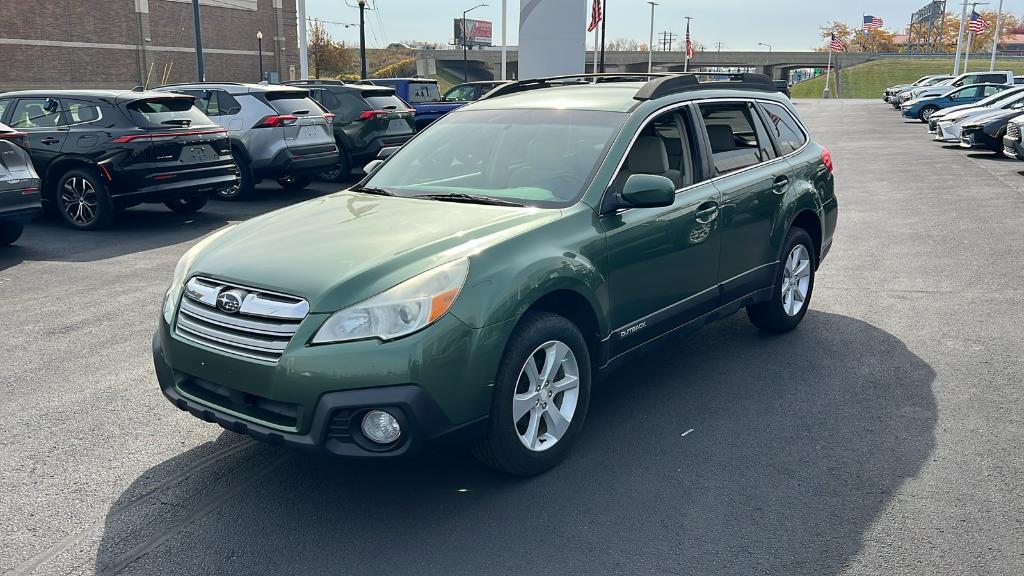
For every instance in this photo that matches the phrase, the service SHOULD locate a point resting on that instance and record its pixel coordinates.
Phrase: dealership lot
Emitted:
(883, 436)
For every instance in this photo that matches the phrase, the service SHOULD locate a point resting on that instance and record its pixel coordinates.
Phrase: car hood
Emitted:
(995, 116)
(340, 249)
(958, 111)
(931, 92)
(964, 112)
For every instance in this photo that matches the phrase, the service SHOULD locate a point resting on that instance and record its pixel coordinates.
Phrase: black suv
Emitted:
(366, 119)
(101, 151)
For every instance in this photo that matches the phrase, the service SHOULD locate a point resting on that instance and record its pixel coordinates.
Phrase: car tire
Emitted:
(339, 173)
(245, 185)
(9, 232)
(926, 113)
(793, 287)
(83, 200)
(189, 205)
(551, 404)
(294, 183)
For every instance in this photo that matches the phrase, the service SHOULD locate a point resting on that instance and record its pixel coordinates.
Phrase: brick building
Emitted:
(125, 43)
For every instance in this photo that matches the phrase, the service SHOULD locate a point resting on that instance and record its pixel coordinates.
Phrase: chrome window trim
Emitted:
(650, 118)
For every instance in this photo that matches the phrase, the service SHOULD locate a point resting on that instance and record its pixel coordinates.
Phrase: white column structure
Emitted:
(552, 38)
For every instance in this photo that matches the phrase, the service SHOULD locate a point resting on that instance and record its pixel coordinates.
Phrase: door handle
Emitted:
(707, 212)
(780, 185)
(50, 140)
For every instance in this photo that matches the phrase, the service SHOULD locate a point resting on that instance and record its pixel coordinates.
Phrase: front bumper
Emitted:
(909, 113)
(978, 138)
(437, 383)
(948, 133)
(1013, 148)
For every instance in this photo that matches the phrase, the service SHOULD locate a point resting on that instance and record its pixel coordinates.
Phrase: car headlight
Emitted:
(181, 271)
(399, 311)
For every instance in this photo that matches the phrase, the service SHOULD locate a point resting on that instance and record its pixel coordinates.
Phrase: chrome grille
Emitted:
(260, 328)
(1013, 131)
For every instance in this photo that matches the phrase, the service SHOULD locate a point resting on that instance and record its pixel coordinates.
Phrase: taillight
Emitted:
(826, 159)
(165, 136)
(329, 117)
(371, 115)
(19, 138)
(275, 121)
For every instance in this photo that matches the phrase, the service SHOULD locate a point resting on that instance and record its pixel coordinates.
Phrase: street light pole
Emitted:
(362, 40)
(650, 45)
(259, 48)
(200, 68)
(465, 44)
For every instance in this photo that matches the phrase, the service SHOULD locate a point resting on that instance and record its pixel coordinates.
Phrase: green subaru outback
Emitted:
(477, 282)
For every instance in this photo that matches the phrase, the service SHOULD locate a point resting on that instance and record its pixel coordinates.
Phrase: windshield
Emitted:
(542, 158)
(1001, 95)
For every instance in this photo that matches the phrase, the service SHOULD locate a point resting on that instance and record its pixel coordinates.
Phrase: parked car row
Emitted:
(89, 154)
(968, 110)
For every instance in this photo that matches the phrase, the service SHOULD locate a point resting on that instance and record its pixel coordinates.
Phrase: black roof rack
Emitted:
(660, 87)
(567, 79)
(314, 81)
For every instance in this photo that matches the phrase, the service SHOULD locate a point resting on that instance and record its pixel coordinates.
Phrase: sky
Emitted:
(738, 24)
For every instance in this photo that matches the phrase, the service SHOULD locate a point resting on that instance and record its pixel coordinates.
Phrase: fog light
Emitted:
(381, 427)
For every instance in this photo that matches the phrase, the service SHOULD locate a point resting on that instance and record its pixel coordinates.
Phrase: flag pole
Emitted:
(686, 61)
(828, 70)
(650, 45)
(967, 49)
(959, 40)
(604, 30)
(597, 32)
(995, 39)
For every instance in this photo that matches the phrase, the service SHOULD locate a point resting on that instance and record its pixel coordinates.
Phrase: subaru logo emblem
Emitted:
(230, 301)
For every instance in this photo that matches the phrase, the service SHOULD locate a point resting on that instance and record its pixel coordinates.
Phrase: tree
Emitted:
(625, 45)
(326, 55)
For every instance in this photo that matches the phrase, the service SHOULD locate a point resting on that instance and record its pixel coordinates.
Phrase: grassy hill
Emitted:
(869, 79)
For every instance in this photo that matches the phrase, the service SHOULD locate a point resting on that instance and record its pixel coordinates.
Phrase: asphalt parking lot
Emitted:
(881, 437)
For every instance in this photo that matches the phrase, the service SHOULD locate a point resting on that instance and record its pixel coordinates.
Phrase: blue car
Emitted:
(923, 108)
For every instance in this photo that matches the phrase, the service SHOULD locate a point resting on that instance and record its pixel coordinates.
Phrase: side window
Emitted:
(349, 107)
(3, 108)
(784, 128)
(990, 90)
(971, 92)
(78, 112)
(994, 78)
(32, 113)
(329, 100)
(227, 104)
(732, 132)
(459, 94)
(665, 147)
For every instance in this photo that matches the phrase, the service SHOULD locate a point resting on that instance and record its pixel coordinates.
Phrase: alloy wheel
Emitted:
(79, 199)
(546, 395)
(796, 280)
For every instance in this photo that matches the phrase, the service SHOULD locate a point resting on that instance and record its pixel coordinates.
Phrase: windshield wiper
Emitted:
(372, 190)
(470, 199)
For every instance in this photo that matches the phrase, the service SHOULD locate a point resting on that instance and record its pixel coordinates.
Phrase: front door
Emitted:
(41, 118)
(752, 182)
(662, 262)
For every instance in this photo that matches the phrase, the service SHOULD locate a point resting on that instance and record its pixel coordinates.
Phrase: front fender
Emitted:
(565, 254)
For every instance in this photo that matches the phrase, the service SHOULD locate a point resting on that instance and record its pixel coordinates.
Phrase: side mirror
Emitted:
(372, 165)
(647, 191)
(387, 152)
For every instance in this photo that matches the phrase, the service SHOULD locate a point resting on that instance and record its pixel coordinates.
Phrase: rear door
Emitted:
(753, 181)
(42, 120)
(303, 123)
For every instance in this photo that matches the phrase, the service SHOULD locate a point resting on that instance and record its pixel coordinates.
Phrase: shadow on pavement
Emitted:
(798, 443)
(145, 227)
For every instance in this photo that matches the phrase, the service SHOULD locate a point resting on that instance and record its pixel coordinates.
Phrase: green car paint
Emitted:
(625, 277)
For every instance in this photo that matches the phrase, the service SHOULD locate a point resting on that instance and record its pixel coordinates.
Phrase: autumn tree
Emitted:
(326, 55)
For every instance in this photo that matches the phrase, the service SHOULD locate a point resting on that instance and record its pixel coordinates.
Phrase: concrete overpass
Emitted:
(486, 64)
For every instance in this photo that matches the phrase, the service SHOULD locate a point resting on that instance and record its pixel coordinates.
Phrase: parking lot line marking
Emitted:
(687, 432)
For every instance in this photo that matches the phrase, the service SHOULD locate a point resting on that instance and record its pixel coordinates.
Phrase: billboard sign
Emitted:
(478, 32)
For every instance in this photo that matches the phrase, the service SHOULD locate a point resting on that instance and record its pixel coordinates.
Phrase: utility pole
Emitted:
(650, 45)
(362, 40)
(200, 68)
(995, 39)
(719, 45)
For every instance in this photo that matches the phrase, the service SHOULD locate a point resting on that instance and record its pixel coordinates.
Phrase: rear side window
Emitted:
(993, 78)
(423, 92)
(733, 136)
(32, 113)
(385, 102)
(164, 112)
(294, 103)
(784, 128)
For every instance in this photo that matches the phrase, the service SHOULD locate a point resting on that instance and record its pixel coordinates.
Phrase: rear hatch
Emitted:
(388, 114)
(181, 143)
(300, 120)
(19, 185)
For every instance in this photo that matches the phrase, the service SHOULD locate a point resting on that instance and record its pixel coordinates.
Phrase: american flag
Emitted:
(837, 44)
(872, 22)
(978, 24)
(689, 45)
(595, 16)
